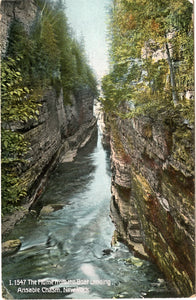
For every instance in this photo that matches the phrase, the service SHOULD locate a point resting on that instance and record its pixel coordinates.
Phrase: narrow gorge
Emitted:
(98, 177)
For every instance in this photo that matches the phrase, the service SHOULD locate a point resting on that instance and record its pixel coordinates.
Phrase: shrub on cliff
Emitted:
(50, 55)
(47, 55)
(151, 56)
(18, 104)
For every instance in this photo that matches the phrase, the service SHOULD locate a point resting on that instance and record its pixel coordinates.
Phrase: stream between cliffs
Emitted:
(68, 253)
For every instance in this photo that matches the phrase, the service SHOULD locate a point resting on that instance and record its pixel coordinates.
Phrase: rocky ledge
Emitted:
(123, 210)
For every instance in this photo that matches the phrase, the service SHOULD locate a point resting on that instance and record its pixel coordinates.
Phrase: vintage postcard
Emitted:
(97, 135)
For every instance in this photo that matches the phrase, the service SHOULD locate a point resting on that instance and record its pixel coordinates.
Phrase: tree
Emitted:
(46, 56)
(141, 29)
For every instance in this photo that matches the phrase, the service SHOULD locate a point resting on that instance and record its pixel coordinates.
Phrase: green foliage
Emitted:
(139, 31)
(83, 73)
(48, 55)
(13, 150)
(18, 104)
(20, 46)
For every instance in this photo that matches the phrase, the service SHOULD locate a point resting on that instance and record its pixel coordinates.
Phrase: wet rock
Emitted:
(107, 251)
(10, 247)
(114, 239)
(69, 156)
(134, 261)
(46, 210)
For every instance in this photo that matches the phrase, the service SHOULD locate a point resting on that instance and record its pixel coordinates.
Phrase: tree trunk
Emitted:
(172, 75)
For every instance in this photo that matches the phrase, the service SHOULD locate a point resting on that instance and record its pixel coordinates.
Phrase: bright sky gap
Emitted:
(88, 19)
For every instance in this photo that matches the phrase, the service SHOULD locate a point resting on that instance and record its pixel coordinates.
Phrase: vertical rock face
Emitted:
(22, 10)
(58, 130)
(153, 194)
(48, 136)
(80, 111)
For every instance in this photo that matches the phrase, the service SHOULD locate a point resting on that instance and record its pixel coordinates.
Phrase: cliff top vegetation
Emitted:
(48, 55)
(151, 59)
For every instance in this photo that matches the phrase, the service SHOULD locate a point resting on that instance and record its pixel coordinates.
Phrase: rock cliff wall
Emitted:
(153, 194)
(59, 129)
(21, 10)
(48, 135)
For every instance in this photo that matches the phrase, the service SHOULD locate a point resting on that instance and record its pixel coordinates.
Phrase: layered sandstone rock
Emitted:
(58, 131)
(153, 193)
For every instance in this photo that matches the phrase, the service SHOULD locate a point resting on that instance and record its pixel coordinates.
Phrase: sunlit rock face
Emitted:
(60, 128)
(152, 194)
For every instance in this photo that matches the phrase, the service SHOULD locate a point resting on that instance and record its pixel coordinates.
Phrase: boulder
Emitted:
(46, 210)
(10, 247)
(107, 251)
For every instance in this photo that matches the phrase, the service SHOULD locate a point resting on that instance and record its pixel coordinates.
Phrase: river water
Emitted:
(68, 253)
